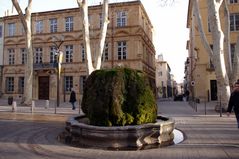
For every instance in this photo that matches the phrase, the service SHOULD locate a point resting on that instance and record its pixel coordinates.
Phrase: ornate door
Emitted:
(43, 88)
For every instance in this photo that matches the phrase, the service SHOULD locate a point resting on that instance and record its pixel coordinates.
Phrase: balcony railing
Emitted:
(210, 67)
(44, 66)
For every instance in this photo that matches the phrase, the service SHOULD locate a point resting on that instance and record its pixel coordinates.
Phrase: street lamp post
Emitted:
(57, 43)
(64, 95)
(59, 61)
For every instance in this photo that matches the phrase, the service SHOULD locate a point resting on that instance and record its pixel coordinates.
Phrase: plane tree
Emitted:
(83, 5)
(26, 23)
(226, 69)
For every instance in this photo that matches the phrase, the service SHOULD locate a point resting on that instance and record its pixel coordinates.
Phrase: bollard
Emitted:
(80, 99)
(33, 106)
(205, 107)
(10, 100)
(196, 107)
(220, 105)
(14, 106)
(79, 109)
(47, 104)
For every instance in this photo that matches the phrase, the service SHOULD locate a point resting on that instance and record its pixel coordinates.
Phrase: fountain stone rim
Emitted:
(121, 137)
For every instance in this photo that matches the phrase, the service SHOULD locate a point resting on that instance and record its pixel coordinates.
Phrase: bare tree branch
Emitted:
(201, 30)
(102, 34)
(164, 3)
(83, 5)
(227, 49)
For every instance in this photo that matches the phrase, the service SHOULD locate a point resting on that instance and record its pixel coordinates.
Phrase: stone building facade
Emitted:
(1, 52)
(164, 83)
(128, 43)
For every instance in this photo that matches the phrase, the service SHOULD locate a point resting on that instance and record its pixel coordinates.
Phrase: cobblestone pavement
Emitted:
(34, 136)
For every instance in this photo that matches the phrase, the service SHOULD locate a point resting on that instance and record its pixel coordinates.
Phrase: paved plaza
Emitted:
(33, 135)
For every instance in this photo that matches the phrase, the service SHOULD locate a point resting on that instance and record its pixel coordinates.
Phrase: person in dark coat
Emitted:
(234, 102)
(73, 99)
(187, 95)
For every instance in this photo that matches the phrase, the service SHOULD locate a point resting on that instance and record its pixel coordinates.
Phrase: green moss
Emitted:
(117, 97)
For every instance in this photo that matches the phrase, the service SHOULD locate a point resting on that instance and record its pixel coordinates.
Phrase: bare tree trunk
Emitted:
(227, 49)
(218, 51)
(217, 54)
(26, 22)
(83, 5)
(201, 30)
(103, 34)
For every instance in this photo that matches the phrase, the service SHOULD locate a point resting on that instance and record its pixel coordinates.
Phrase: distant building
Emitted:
(173, 85)
(180, 88)
(163, 78)
(128, 43)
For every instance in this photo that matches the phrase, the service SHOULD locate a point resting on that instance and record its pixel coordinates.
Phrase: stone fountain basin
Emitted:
(120, 137)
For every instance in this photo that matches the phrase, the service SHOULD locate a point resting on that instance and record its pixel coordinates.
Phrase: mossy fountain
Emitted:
(120, 113)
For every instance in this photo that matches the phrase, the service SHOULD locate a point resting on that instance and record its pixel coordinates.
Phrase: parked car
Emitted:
(178, 97)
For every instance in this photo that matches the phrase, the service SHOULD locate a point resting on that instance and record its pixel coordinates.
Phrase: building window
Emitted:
(121, 19)
(208, 26)
(0, 31)
(233, 1)
(234, 22)
(11, 29)
(89, 19)
(22, 29)
(82, 53)
(101, 20)
(38, 55)
(10, 84)
(21, 85)
(211, 66)
(24, 55)
(39, 26)
(69, 24)
(82, 83)
(53, 25)
(53, 55)
(105, 55)
(68, 83)
(69, 53)
(11, 56)
(233, 49)
(122, 50)
(160, 73)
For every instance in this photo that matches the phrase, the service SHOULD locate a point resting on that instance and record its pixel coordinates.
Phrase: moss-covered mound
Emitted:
(118, 97)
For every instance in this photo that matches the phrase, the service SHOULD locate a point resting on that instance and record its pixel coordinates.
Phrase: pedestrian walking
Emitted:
(73, 99)
(187, 95)
(234, 102)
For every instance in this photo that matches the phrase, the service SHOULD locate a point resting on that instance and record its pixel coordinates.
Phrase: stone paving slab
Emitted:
(34, 136)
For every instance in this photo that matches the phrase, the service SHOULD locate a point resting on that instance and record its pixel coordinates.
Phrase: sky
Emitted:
(169, 22)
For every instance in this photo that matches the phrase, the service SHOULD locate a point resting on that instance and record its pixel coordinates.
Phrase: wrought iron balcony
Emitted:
(210, 67)
(44, 66)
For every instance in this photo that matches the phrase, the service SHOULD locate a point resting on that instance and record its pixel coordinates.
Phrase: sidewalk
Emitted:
(41, 107)
(190, 109)
(39, 113)
(209, 135)
(205, 136)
